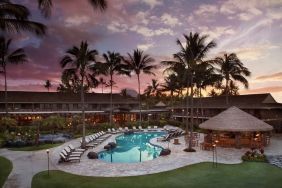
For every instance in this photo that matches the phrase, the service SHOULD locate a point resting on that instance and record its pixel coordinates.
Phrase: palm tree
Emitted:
(45, 6)
(232, 69)
(102, 82)
(123, 92)
(82, 62)
(153, 89)
(139, 62)
(113, 65)
(9, 57)
(189, 57)
(15, 18)
(48, 85)
(171, 85)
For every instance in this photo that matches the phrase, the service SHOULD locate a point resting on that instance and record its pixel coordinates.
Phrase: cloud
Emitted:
(153, 3)
(145, 46)
(170, 20)
(117, 27)
(147, 32)
(275, 76)
(217, 32)
(75, 21)
(272, 89)
(206, 10)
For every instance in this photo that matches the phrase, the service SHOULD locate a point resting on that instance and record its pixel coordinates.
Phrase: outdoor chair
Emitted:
(76, 149)
(140, 128)
(70, 155)
(134, 128)
(68, 159)
(69, 152)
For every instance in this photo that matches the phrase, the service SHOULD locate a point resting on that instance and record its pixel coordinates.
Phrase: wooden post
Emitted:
(237, 140)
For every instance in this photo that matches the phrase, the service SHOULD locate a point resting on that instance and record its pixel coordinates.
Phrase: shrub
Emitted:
(254, 155)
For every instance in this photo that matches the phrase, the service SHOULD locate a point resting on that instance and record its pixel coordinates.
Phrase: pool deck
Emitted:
(178, 158)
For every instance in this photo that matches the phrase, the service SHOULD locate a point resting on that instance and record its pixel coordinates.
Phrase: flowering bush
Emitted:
(256, 155)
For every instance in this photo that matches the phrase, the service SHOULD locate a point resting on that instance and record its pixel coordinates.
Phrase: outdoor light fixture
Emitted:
(47, 151)
(214, 156)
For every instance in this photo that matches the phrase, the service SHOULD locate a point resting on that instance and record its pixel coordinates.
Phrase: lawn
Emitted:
(5, 169)
(247, 174)
(35, 148)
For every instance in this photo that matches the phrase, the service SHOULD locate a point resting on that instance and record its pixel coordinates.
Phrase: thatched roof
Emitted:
(235, 120)
(160, 104)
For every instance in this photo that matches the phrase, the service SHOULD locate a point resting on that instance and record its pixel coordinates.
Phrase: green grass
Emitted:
(5, 169)
(35, 148)
(247, 174)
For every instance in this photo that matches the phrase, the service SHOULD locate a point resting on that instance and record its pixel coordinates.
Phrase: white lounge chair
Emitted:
(76, 149)
(140, 128)
(65, 158)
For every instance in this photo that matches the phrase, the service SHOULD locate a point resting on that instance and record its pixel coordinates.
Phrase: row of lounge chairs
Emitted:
(71, 153)
(172, 135)
(126, 129)
(95, 139)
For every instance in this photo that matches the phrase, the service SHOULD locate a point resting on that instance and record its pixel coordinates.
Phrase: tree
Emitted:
(153, 89)
(48, 85)
(15, 18)
(102, 82)
(37, 123)
(139, 62)
(81, 62)
(8, 122)
(171, 85)
(54, 122)
(191, 54)
(113, 65)
(9, 57)
(232, 69)
(45, 6)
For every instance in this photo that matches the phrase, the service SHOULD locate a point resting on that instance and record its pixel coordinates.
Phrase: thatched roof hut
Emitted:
(235, 120)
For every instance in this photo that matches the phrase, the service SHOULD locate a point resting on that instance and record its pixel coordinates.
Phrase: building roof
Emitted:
(160, 104)
(58, 97)
(241, 101)
(235, 120)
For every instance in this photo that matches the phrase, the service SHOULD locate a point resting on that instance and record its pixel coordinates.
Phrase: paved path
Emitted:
(25, 166)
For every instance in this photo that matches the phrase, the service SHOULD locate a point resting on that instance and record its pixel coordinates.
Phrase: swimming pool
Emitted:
(133, 148)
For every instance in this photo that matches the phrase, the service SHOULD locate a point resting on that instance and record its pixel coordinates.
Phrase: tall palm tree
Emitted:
(82, 61)
(102, 82)
(48, 85)
(15, 18)
(113, 65)
(45, 6)
(232, 69)
(137, 63)
(9, 57)
(189, 57)
(153, 89)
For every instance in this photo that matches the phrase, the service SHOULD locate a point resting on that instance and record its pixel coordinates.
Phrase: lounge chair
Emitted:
(134, 128)
(65, 158)
(165, 138)
(69, 152)
(113, 130)
(155, 128)
(120, 129)
(76, 149)
(149, 128)
(140, 128)
(126, 129)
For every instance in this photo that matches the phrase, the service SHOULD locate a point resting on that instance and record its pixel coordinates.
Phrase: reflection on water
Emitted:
(133, 148)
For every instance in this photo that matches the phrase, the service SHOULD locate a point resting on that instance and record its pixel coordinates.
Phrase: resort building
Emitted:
(262, 106)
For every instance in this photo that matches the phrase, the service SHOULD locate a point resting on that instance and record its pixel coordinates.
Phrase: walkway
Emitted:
(25, 166)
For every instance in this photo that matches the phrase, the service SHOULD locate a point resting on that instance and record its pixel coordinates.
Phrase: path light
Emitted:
(47, 151)
(214, 158)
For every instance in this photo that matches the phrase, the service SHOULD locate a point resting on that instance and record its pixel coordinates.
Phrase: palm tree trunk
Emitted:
(102, 88)
(227, 92)
(6, 90)
(140, 117)
(201, 103)
(111, 110)
(191, 116)
(83, 144)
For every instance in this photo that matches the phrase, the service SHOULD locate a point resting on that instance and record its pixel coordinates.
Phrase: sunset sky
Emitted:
(251, 28)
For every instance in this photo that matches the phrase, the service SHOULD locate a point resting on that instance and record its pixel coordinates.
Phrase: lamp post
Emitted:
(215, 154)
(149, 115)
(182, 115)
(47, 151)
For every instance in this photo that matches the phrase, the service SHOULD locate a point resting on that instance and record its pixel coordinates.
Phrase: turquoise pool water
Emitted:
(133, 148)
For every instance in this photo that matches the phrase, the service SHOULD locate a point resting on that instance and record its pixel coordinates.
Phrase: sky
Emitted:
(251, 29)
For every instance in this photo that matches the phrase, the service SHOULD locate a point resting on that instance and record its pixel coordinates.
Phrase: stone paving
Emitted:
(178, 158)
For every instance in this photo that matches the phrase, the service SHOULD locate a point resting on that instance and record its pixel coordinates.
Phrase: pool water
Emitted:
(133, 148)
